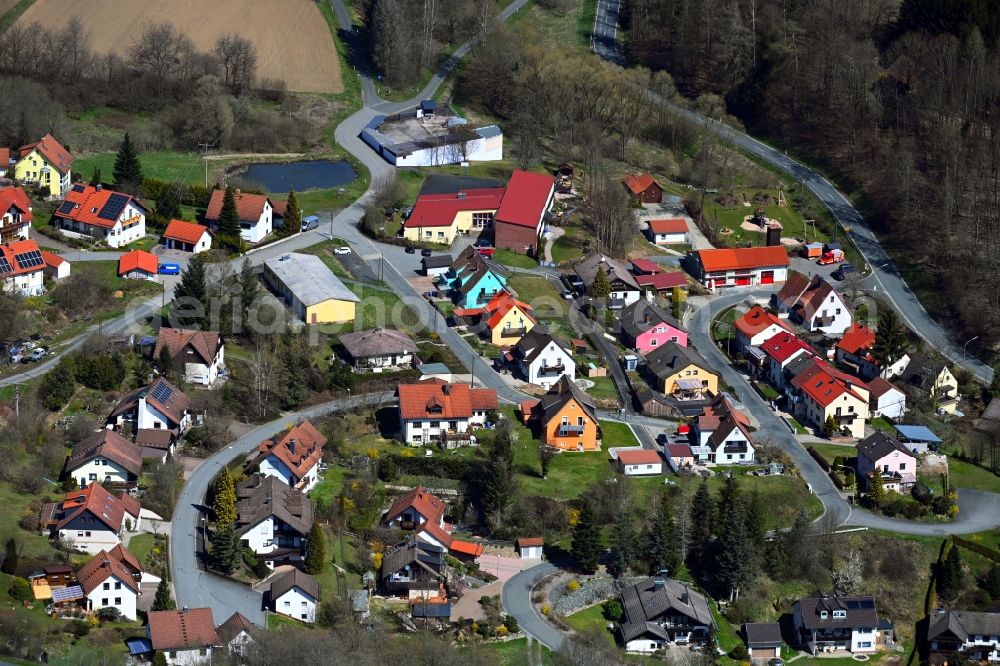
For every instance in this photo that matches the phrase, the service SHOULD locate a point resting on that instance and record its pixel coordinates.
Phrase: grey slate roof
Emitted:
(424, 555)
(922, 371)
(880, 444)
(436, 261)
(641, 316)
(963, 624)
(644, 605)
(671, 357)
(294, 578)
(258, 497)
(309, 279)
(235, 625)
(377, 342)
(615, 270)
(562, 392)
(767, 634)
(860, 612)
(535, 341)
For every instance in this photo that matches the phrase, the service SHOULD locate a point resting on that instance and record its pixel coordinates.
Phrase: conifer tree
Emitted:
(890, 338)
(622, 543)
(163, 600)
(949, 579)
(586, 546)
(191, 295)
(733, 568)
(660, 543)
(292, 222)
(225, 554)
(316, 551)
(876, 492)
(95, 176)
(10, 557)
(229, 220)
(701, 524)
(224, 505)
(127, 171)
(729, 501)
(602, 286)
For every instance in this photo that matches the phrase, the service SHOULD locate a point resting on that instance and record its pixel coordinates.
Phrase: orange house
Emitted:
(566, 416)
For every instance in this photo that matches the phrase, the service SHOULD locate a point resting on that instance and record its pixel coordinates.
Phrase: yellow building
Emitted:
(682, 372)
(439, 218)
(507, 319)
(310, 290)
(46, 164)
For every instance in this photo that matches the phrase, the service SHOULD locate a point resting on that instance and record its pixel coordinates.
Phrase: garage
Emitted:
(743, 281)
(767, 277)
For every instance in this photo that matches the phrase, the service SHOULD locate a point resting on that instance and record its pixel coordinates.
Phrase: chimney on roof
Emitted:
(184, 610)
(446, 389)
(659, 584)
(291, 445)
(98, 187)
(646, 317)
(236, 191)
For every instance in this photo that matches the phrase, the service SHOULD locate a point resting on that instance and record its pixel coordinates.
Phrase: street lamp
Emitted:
(965, 346)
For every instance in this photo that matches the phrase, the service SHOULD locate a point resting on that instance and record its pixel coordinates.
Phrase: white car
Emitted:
(342, 250)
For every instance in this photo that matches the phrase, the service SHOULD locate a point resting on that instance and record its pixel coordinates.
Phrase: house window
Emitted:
(288, 604)
(79, 534)
(118, 585)
(202, 652)
(304, 616)
(303, 604)
(93, 477)
(118, 601)
(263, 528)
(652, 343)
(902, 466)
(823, 615)
(104, 602)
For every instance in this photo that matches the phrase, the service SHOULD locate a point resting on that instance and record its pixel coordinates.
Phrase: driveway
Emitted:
(516, 599)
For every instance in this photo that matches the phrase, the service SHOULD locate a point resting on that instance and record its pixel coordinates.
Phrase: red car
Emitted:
(486, 251)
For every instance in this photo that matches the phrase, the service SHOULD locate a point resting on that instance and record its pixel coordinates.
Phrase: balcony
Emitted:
(571, 430)
(511, 331)
(616, 303)
(552, 369)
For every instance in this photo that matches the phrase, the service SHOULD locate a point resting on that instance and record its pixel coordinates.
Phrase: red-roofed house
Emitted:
(5, 161)
(422, 512)
(15, 214)
(92, 519)
(22, 267)
(46, 164)
(202, 354)
(680, 455)
(439, 218)
(433, 411)
(781, 350)
(757, 326)
(185, 637)
(187, 237)
(885, 399)
(506, 319)
(256, 213)
(638, 462)
(663, 283)
(739, 267)
(645, 267)
(813, 304)
(56, 267)
(671, 231)
(855, 351)
(137, 265)
(294, 458)
(108, 583)
(100, 214)
(520, 220)
(821, 392)
(644, 188)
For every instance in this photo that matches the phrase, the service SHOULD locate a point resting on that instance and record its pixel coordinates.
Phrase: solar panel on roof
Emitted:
(29, 259)
(78, 188)
(66, 208)
(114, 207)
(5, 265)
(162, 393)
(63, 594)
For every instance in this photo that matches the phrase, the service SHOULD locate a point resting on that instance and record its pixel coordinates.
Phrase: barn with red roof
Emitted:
(644, 188)
(137, 265)
(520, 220)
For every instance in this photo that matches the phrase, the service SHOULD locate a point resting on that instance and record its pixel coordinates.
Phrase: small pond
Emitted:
(300, 176)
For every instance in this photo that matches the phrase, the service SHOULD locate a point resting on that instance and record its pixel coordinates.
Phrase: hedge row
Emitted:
(987, 552)
(818, 458)
(194, 195)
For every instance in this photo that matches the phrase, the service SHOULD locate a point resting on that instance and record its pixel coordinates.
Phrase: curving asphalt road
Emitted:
(196, 588)
(515, 595)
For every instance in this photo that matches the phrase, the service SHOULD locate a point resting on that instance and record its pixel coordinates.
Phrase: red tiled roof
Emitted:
(645, 266)
(125, 556)
(299, 449)
(757, 319)
(249, 206)
(186, 232)
(107, 444)
(727, 259)
(500, 305)
(52, 151)
(137, 260)
(15, 196)
(878, 387)
(443, 401)
(14, 248)
(856, 338)
(439, 210)
(94, 499)
(4, 158)
(421, 501)
(674, 225)
(822, 385)
(527, 408)
(102, 567)
(662, 281)
(466, 547)
(205, 343)
(52, 259)
(182, 629)
(639, 457)
(90, 202)
(436, 532)
(679, 450)
(524, 200)
(639, 184)
(529, 542)
(783, 346)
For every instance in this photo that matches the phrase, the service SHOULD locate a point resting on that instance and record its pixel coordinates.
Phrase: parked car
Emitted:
(425, 252)
(843, 271)
(483, 242)
(169, 269)
(410, 249)
(567, 294)
(37, 354)
(343, 249)
(486, 251)
(310, 223)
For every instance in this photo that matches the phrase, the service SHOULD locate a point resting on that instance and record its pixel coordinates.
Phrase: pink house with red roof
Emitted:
(520, 220)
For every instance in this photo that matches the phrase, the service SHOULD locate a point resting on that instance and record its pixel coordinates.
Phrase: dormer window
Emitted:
(823, 615)
(840, 613)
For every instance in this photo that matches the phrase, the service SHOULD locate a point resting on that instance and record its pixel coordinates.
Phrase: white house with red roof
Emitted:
(109, 581)
(256, 213)
(22, 268)
(854, 349)
(202, 354)
(432, 411)
(102, 215)
(294, 457)
(739, 267)
(721, 434)
(820, 392)
(520, 220)
(780, 350)
(15, 214)
(187, 237)
(138, 265)
(186, 637)
(813, 304)
(158, 406)
(92, 519)
(756, 326)
(56, 267)
(885, 399)
(637, 461)
(668, 231)
(423, 512)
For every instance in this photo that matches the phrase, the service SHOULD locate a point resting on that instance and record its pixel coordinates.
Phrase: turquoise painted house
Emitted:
(472, 280)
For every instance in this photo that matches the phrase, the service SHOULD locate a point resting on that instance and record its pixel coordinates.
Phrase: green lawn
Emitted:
(140, 545)
(831, 451)
(541, 294)
(880, 423)
(799, 428)
(515, 652)
(617, 434)
(508, 258)
(569, 247)
(16, 505)
(381, 308)
(603, 389)
(589, 619)
(324, 251)
(554, 29)
(966, 475)
(164, 165)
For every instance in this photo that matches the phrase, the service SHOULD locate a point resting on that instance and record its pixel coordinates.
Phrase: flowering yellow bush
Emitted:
(373, 453)
(502, 631)
(573, 585)
(546, 610)
(572, 517)
(377, 561)
(408, 453)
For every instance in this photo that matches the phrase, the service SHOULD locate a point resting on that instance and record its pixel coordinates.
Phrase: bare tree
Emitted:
(238, 58)
(427, 46)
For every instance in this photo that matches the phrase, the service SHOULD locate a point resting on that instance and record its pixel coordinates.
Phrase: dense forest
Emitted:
(897, 99)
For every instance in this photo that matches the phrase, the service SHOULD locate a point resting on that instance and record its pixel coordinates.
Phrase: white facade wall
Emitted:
(478, 150)
(643, 469)
(260, 538)
(420, 431)
(833, 306)
(26, 284)
(531, 553)
(154, 419)
(760, 338)
(670, 239)
(255, 233)
(723, 458)
(644, 645)
(205, 375)
(91, 541)
(273, 466)
(113, 593)
(892, 405)
(189, 657)
(551, 357)
(864, 640)
(297, 604)
(629, 296)
(100, 470)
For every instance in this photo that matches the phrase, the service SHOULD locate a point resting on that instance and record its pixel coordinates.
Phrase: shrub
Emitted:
(511, 623)
(573, 585)
(502, 631)
(79, 628)
(739, 653)
(109, 614)
(612, 609)
(20, 589)
(546, 610)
